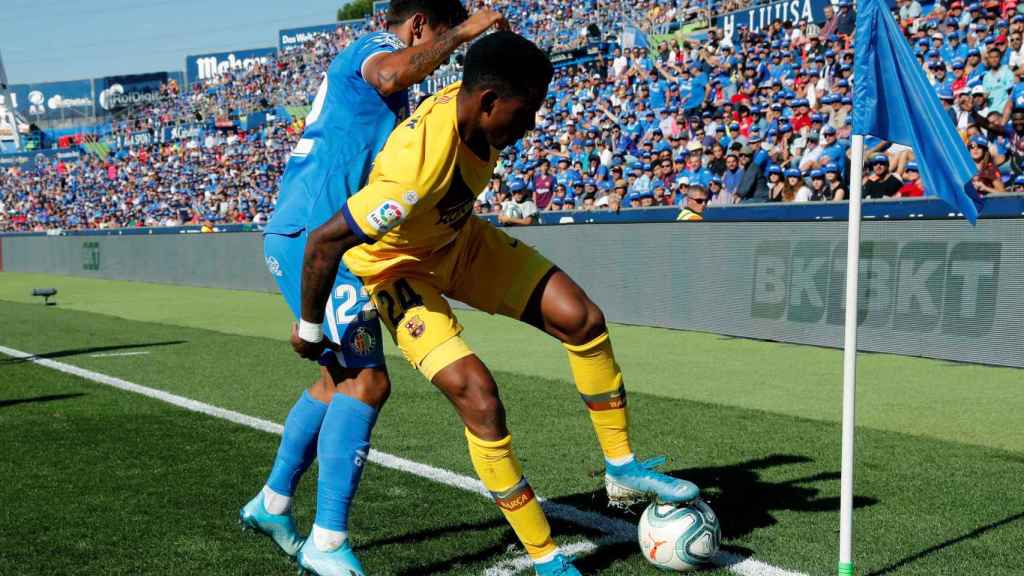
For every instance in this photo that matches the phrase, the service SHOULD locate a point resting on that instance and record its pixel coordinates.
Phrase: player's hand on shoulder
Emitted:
(480, 22)
(311, 350)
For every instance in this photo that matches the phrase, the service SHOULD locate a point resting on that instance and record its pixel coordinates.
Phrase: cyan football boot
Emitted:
(340, 562)
(280, 527)
(558, 566)
(637, 482)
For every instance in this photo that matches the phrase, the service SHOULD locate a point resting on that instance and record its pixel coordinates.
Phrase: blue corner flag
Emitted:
(894, 101)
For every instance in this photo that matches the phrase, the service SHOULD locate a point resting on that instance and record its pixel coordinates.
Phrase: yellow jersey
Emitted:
(420, 192)
(689, 215)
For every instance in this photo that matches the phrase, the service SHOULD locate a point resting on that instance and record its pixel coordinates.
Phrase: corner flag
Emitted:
(3, 75)
(894, 101)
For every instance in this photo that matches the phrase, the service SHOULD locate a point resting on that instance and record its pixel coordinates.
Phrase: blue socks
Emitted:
(342, 449)
(298, 444)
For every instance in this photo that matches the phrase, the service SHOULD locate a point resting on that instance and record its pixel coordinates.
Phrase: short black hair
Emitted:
(448, 13)
(508, 64)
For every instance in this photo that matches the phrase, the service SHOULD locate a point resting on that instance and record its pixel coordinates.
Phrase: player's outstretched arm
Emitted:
(324, 249)
(395, 71)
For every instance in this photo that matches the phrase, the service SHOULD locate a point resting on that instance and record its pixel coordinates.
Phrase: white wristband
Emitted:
(310, 332)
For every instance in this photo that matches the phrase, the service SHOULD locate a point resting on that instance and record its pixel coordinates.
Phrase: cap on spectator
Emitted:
(774, 169)
(958, 64)
(974, 52)
(945, 93)
(817, 175)
(792, 173)
(911, 167)
(716, 179)
(1019, 180)
(937, 65)
(879, 159)
(516, 185)
(694, 146)
(833, 168)
(979, 90)
(979, 140)
(556, 201)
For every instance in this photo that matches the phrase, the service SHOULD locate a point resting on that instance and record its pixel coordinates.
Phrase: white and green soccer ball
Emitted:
(679, 538)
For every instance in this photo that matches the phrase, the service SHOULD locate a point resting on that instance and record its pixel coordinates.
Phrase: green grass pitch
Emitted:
(101, 481)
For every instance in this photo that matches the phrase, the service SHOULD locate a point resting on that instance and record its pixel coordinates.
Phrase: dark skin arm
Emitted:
(324, 250)
(393, 72)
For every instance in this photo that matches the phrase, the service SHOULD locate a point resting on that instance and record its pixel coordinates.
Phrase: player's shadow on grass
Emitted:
(91, 350)
(948, 543)
(39, 399)
(743, 501)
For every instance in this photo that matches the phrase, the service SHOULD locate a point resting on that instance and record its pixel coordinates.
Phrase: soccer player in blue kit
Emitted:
(361, 99)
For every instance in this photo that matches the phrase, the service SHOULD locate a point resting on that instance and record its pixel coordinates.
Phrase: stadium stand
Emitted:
(648, 101)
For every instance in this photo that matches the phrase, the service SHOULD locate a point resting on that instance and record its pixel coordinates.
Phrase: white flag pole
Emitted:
(850, 359)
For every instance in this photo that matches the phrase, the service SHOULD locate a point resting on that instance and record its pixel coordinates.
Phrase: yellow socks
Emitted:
(501, 473)
(599, 381)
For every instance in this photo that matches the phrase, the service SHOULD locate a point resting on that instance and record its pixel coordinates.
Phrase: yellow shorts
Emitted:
(484, 267)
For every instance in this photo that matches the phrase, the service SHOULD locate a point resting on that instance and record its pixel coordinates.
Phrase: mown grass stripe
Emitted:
(617, 530)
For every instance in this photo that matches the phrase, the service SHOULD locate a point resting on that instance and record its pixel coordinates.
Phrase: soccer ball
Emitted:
(679, 538)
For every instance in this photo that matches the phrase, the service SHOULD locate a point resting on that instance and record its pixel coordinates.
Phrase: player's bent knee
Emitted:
(372, 386)
(582, 321)
(595, 324)
(323, 389)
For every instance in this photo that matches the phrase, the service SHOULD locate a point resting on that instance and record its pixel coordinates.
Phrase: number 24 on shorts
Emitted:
(396, 302)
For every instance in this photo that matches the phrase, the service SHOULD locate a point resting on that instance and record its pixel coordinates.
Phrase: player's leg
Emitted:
(508, 277)
(428, 335)
(337, 412)
(362, 387)
(561, 308)
(270, 511)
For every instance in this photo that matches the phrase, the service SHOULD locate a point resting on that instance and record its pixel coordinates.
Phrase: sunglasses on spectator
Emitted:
(699, 200)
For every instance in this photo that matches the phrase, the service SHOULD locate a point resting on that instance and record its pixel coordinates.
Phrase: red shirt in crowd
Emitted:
(912, 190)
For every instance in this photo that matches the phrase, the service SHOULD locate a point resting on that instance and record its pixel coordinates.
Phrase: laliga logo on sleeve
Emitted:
(386, 216)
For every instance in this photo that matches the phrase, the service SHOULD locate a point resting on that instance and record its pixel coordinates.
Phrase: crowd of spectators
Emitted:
(221, 178)
(705, 120)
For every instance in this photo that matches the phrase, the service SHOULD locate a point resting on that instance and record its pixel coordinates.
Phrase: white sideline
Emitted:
(616, 530)
(118, 354)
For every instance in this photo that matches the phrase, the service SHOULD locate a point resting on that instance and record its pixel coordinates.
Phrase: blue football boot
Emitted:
(280, 527)
(558, 566)
(637, 482)
(340, 562)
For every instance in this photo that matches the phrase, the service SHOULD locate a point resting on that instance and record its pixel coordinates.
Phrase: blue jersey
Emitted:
(345, 129)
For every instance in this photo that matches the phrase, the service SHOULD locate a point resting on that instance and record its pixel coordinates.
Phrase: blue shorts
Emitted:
(350, 318)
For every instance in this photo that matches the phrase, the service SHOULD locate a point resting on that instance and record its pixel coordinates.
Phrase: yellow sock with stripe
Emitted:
(599, 381)
(501, 473)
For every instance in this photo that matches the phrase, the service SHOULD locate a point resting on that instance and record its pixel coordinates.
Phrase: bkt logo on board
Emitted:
(919, 286)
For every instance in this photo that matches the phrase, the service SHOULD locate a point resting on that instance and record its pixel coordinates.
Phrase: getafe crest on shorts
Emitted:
(362, 342)
(415, 326)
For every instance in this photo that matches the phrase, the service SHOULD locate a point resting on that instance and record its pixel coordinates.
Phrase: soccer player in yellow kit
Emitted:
(410, 235)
